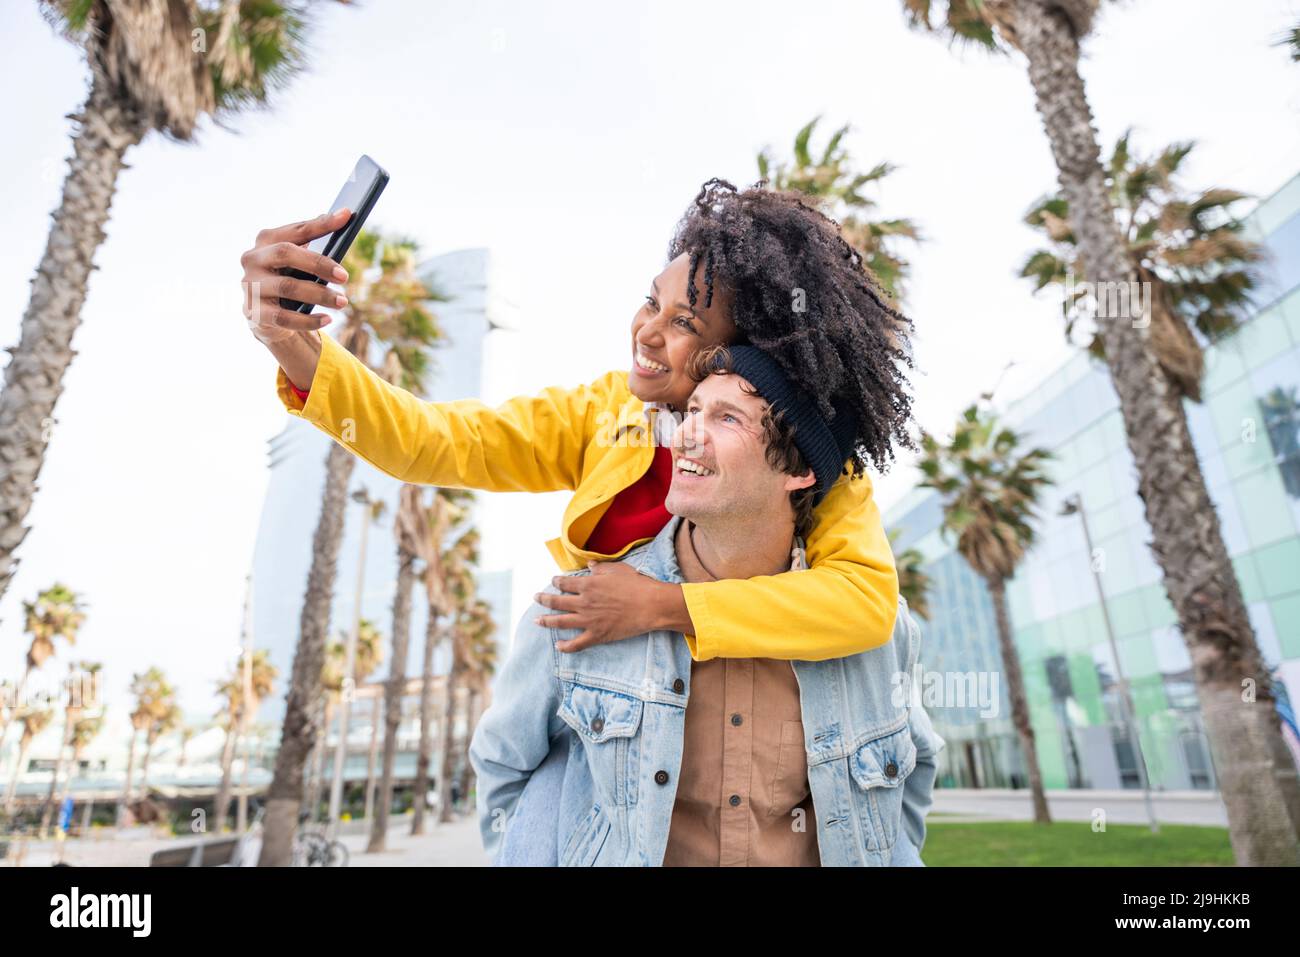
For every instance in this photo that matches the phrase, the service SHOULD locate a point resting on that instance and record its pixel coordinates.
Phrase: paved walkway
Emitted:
(443, 845)
(457, 844)
(454, 844)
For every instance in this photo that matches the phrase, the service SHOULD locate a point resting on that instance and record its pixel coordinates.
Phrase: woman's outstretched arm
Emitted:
(527, 444)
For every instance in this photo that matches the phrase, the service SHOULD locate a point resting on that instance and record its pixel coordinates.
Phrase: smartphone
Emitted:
(359, 194)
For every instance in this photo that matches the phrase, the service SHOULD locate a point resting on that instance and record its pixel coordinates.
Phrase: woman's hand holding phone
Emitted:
(266, 280)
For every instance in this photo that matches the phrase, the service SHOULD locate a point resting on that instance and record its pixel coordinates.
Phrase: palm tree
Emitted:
(463, 593)
(413, 535)
(84, 731)
(990, 489)
(231, 717)
(1281, 408)
(1257, 778)
(836, 190)
(913, 582)
(154, 65)
(416, 539)
(372, 511)
(1186, 249)
(481, 663)
(449, 509)
(367, 656)
(58, 612)
(167, 719)
(187, 734)
(336, 665)
(1291, 40)
(389, 308)
(152, 694)
(34, 721)
(83, 694)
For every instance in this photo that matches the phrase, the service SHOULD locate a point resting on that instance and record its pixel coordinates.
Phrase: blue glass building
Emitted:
(1247, 435)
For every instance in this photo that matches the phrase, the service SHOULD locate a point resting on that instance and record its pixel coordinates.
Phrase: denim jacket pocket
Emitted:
(588, 838)
(880, 767)
(607, 724)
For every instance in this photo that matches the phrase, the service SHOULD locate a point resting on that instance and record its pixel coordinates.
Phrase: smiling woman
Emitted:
(753, 266)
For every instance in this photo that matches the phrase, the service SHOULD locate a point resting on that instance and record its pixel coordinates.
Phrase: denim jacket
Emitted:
(618, 710)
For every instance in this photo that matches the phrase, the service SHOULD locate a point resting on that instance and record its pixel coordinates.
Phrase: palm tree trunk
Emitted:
(241, 804)
(13, 779)
(130, 772)
(299, 731)
(471, 722)
(448, 735)
(73, 772)
(372, 758)
(144, 765)
(17, 703)
(393, 693)
(426, 721)
(222, 807)
(34, 376)
(315, 793)
(1016, 693)
(50, 801)
(1257, 778)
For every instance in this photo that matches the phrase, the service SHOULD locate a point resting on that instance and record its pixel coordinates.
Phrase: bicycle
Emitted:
(311, 848)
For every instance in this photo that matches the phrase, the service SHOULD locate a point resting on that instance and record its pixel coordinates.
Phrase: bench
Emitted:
(216, 852)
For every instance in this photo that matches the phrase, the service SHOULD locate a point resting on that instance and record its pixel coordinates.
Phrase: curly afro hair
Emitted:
(802, 294)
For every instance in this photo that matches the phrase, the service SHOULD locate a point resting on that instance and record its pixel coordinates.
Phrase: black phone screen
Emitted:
(359, 194)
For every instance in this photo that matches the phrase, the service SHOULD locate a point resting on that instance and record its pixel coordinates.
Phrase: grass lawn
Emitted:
(1072, 844)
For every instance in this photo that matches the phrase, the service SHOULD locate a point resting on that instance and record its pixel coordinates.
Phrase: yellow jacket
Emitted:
(596, 441)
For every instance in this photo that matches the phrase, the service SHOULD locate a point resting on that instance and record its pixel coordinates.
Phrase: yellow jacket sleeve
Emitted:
(528, 444)
(845, 602)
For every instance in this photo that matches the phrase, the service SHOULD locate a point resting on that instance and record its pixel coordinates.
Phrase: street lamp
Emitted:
(241, 815)
(1069, 506)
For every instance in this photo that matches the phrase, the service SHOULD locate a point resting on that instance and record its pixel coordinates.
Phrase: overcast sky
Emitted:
(568, 137)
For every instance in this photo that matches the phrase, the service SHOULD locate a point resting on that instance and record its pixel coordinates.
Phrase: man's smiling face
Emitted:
(720, 466)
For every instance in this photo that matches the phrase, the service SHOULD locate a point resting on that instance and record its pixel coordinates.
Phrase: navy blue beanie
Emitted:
(824, 445)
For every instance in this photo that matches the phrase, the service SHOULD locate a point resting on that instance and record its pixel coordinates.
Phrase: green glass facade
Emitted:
(1247, 435)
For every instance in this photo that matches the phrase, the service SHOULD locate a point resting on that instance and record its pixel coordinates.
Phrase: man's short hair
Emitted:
(778, 435)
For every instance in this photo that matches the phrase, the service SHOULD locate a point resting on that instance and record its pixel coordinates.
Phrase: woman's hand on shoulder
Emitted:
(612, 603)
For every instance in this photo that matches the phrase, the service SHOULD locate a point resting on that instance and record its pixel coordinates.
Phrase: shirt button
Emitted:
(679, 686)
(891, 770)
(735, 800)
(597, 724)
(661, 777)
(736, 719)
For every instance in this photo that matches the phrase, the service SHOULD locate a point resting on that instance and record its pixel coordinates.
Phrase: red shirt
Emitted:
(636, 512)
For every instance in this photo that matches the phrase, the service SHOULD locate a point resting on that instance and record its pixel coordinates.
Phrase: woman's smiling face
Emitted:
(667, 331)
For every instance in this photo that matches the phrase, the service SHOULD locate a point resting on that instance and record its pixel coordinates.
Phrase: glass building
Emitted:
(1247, 435)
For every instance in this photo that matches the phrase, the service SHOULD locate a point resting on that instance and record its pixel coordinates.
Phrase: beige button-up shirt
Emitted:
(742, 793)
